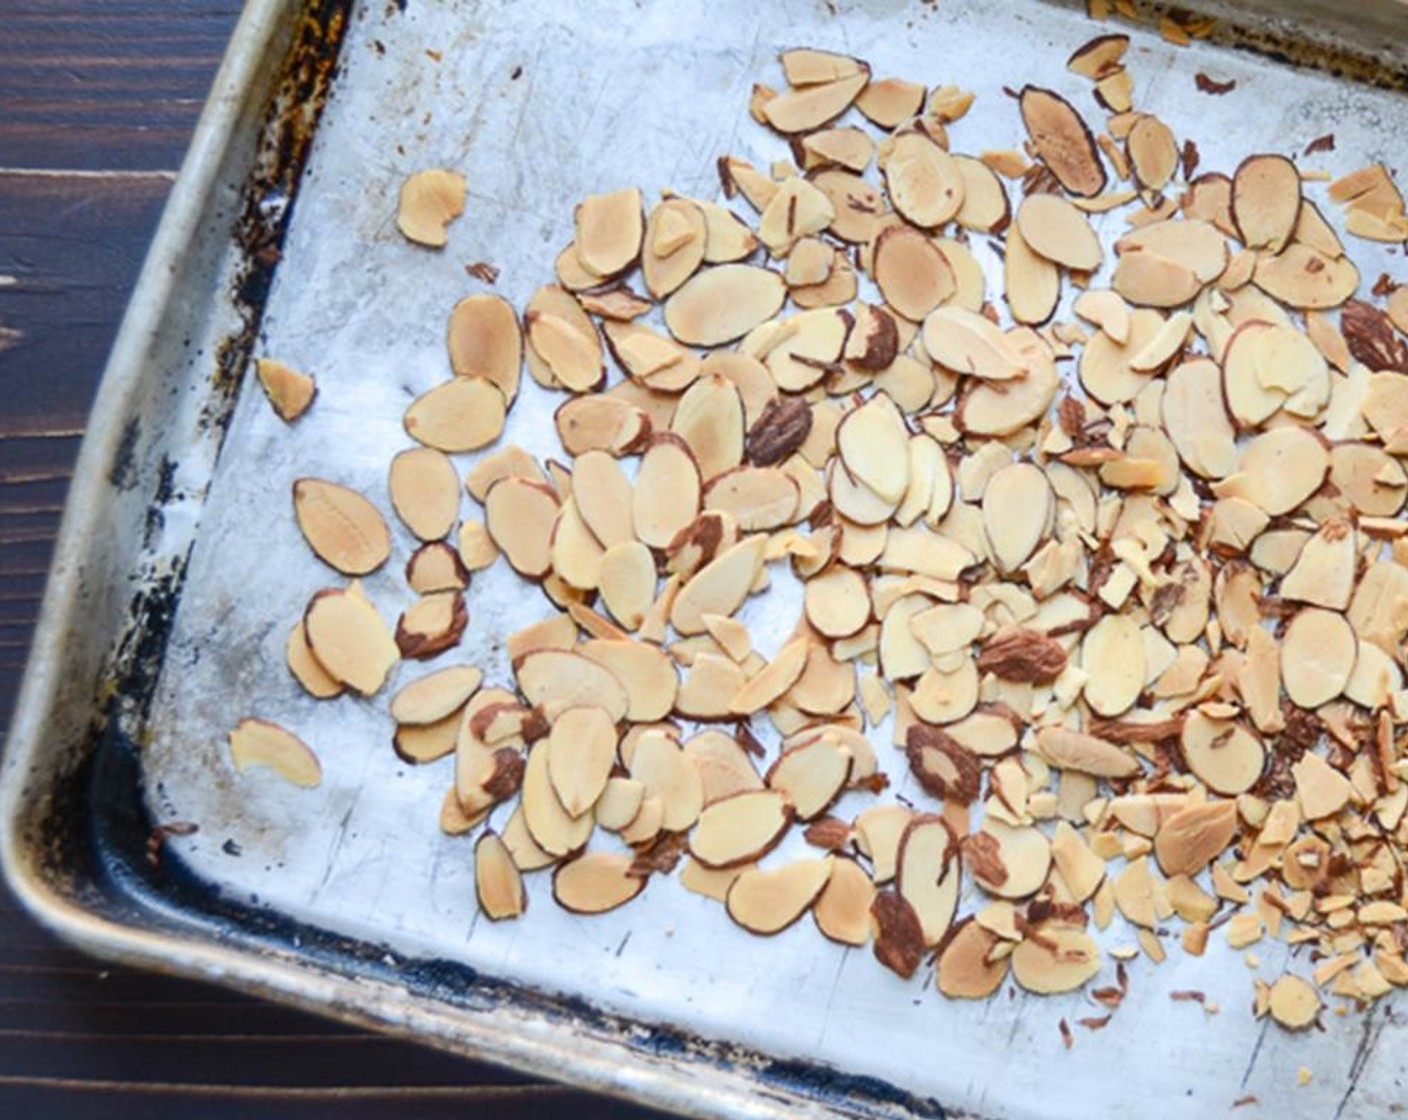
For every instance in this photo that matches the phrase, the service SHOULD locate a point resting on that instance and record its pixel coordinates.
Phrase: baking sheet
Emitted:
(610, 93)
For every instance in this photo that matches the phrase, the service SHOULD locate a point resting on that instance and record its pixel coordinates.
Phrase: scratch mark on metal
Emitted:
(1371, 1027)
(1260, 1038)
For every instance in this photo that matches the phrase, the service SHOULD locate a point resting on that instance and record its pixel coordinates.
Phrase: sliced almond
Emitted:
(290, 393)
(1099, 57)
(1072, 750)
(1323, 574)
(1056, 230)
(1225, 755)
(1278, 470)
(581, 750)
(857, 204)
(463, 414)
(1153, 152)
(350, 640)
(924, 181)
(1195, 244)
(720, 587)
(811, 775)
(842, 910)
(345, 530)
(439, 566)
(927, 874)
(497, 881)
(676, 235)
(836, 602)
(767, 902)
(431, 625)
(556, 680)
(1266, 201)
(667, 491)
(968, 967)
(798, 210)
(1063, 141)
(1294, 1003)
(1317, 656)
(723, 303)
(433, 697)
(1196, 420)
(1032, 283)
(600, 423)
(520, 515)
(709, 418)
(430, 200)
(969, 343)
(551, 827)
(890, 102)
(609, 230)
(913, 275)
(851, 148)
(596, 882)
(1306, 279)
(1113, 659)
(307, 669)
(1150, 280)
(646, 671)
(1017, 509)
(1192, 838)
(805, 108)
(627, 582)
(425, 492)
(985, 207)
(564, 349)
(484, 340)
(1055, 959)
(874, 446)
(258, 742)
(740, 828)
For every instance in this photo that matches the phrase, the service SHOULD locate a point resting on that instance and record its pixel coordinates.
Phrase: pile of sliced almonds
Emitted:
(1138, 630)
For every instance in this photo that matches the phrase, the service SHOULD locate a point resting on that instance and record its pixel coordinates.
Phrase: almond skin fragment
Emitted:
(1023, 655)
(346, 531)
(258, 742)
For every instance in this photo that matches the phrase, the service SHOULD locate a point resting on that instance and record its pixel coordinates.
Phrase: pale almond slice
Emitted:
(1278, 470)
(808, 66)
(350, 640)
(1032, 283)
(571, 273)
(968, 966)
(929, 491)
(709, 418)
(912, 273)
(507, 462)
(307, 669)
(740, 828)
(999, 408)
(1224, 755)
(520, 515)
(723, 303)
(667, 492)
(1113, 659)
(758, 498)
(603, 496)
(1209, 199)
(890, 102)
(767, 902)
(1150, 280)
(1266, 201)
(1008, 861)
(667, 774)
(1305, 279)
(551, 827)
(609, 230)
(290, 392)
(1018, 506)
(596, 882)
(440, 566)
(1317, 656)
(600, 423)
(985, 207)
(497, 881)
(842, 910)
(719, 587)
(826, 685)
(581, 751)
(676, 234)
(878, 831)
(873, 443)
(837, 602)
(813, 343)
(419, 743)
(484, 340)
(1055, 959)
(1082, 870)
(1321, 790)
(851, 148)
(1063, 141)
(1294, 1002)
(809, 263)
(1166, 344)
(772, 680)
(1153, 152)
(1196, 421)
(1193, 837)
(425, 492)
(1323, 574)
(811, 775)
(927, 874)
(556, 680)
(1373, 482)
(258, 742)
(429, 201)
(1250, 398)
(345, 530)
(901, 654)
(925, 182)
(618, 302)
(620, 801)
(1056, 230)
(1107, 310)
(627, 583)
(858, 205)
(1088, 754)
(969, 343)
(648, 674)
(799, 209)
(463, 414)
(433, 697)
(1195, 244)
(809, 107)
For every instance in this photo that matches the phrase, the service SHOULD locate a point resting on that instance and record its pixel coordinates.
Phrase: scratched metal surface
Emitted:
(613, 92)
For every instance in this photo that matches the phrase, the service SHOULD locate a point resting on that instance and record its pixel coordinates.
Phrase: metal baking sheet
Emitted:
(664, 999)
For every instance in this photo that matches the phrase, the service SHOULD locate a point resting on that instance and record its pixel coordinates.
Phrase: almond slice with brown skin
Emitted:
(837, 602)
(431, 625)
(1150, 280)
(419, 743)
(552, 828)
(928, 874)
(851, 148)
(1008, 861)
(307, 669)
(463, 414)
(258, 742)
(1152, 151)
(581, 752)
(798, 209)
(1063, 141)
(1266, 201)
(740, 828)
(1018, 506)
(842, 910)
(429, 201)
(899, 938)
(985, 207)
(557, 679)
(484, 340)
(968, 968)
(1098, 57)
(290, 393)
(1056, 230)
(811, 775)
(1113, 659)
(805, 108)
(858, 204)
(596, 882)
(609, 230)
(719, 587)
(350, 640)
(723, 303)
(969, 343)
(1193, 837)
(667, 491)
(873, 443)
(767, 902)
(1303, 278)
(435, 696)
(425, 492)
(1294, 1002)
(627, 583)
(808, 66)
(601, 423)
(1318, 651)
(709, 417)
(890, 102)
(912, 273)
(1055, 959)
(1072, 750)
(345, 530)
(924, 181)
(497, 882)
(1032, 283)
(676, 234)
(519, 515)
(647, 672)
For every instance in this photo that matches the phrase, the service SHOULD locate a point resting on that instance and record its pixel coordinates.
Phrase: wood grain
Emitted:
(97, 102)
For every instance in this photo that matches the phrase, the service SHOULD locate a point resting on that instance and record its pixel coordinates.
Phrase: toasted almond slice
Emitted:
(924, 181)
(999, 408)
(1150, 280)
(927, 874)
(603, 496)
(571, 273)
(556, 680)
(1224, 755)
(430, 200)
(814, 343)
(874, 446)
(969, 343)
(439, 566)
(627, 583)
(609, 230)
(618, 302)
(1107, 310)
(463, 414)
(596, 882)
(1266, 201)
(1167, 342)
(1113, 659)
(985, 207)
(1196, 420)
(1323, 574)
(620, 801)
(520, 515)
(798, 209)
(809, 263)
(646, 671)
(1018, 506)
(507, 462)
(709, 418)
(1063, 141)
(968, 967)
(1209, 199)
(1072, 750)
(1293, 1002)
(527, 856)
(1321, 790)
(1193, 837)
(497, 881)
(1153, 152)
(345, 530)
(453, 820)
(770, 682)
(758, 498)
(484, 340)
(873, 343)
(1007, 861)
(258, 742)
(666, 496)
(720, 586)
(1032, 283)
(350, 640)
(1306, 279)
(723, 303)
(767, 902)
(803, 109)
(675, 238)
(1082, 870)
(851, 148)
(601, 423)
(425, 492)
(290, 393)
(419, 743)
(581, 750)
(857, 204)
(1098, 57)
(433, 697)
(837, 602)
(725, 768)
(842, 910)
(1195, 244)
(1056, 230)
(811, 775)
(1317, 656)
(551, 827)
(1278, 470)
(914, 276)
(890, 102)
(307, 669)
(808, 66)
(901, 654)
(1055, 959)
(740, 828)
(431, 625)
(667, 774)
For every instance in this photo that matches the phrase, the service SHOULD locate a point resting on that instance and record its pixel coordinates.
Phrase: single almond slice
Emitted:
(1055, 959)
(419, 743)
(808, 66)
(453, 819)
(1072, 750)
(436, 696)
(890, 102)
(627, 583)
(350, 640)
(1063, 141)
(425, 492)
(813, 345)
(581, 752)
(772, 680)
(837, 603)
(858, 205)
(558, 679)
(647, 672)
(667, 774)
(619, 803)
(1150, 280)
(1152, 151)
(723, 303)
(842, 910)
(899, 937)
(873, 343)
(1317, 656)
(1032, 283)
(851, 148)
(740, 828)
(609, 230)
(1196, 420)
(1193, 837)
(463, 414)
(1113, 659)
(810, 262)
(985, 207)
(1008, 861)
(1224, 755)
(508, 462)
(431, 625)
(798, 209)
(999, 408)
(767, 902)
(551, 827)
(527, 856)
(924, 181)
(758, 498)
(497, 881)
(724, 766)
(307, 669)
(440, 566)
(1082, 870)
(969, 968)
(258, 742)
(596, 882)
(912, 273)
(1018, 506)
(967, 342)
(676, 234)
(484, 340)
(1323, 574)
(1278, 470)
(290, 393)
(709, 418)
(720, 587)
(811, 775)
(603, 496)
(1321, 790)
(667, 491)
(430, 200)
(1056, 230)
(1294, 1002)
(1266, 201)
(1197, 245)
(601, 423)
(617, 302)
(345, 530)
(809, 107)
(928, 875)
(1107, 310)
(873, 443)
(1098, 57)
(1303, 278)
(520, 515)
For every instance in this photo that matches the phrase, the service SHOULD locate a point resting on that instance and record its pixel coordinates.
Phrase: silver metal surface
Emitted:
(610, 92)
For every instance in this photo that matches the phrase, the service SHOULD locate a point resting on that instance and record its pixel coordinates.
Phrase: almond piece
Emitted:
(968, 968)
(1317, 656)
(1113, 659)
(985, 207)
(1055, 959)
(497, 881)
(1278, 470)
(842, 910)
(290, 393)
(1056, 230)
(609, 230)
(556, 680)
(258, 742)
(719, 587)
(740, 828)
(484, 340)
(648, 674)
(1018, 506)
(345, 530)
(627, 583)
(1294, 1003)
(928, 874)
(1063, 141)
(600, 423)
(551, 827)
(435, 696)
(968, 343)
(1193, 837)
(811, 775)
(723, 303)
(425, 492)
(596, 882)
(581, 752)
(667, 491)
(676, 235)
(520, 515)
(439, 566)
(912, 273)
(1008, 862)
(463, 414)
(1150, 280)
(767, 902)
(924, 181)
(805, 108)
(429, 201)
(350, 640)
(1224, 755)
(1072, 750)
(1266, 201)
(1153, 152)
(709, 418)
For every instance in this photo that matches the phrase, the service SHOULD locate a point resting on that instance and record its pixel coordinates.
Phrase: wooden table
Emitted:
(97, 102)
